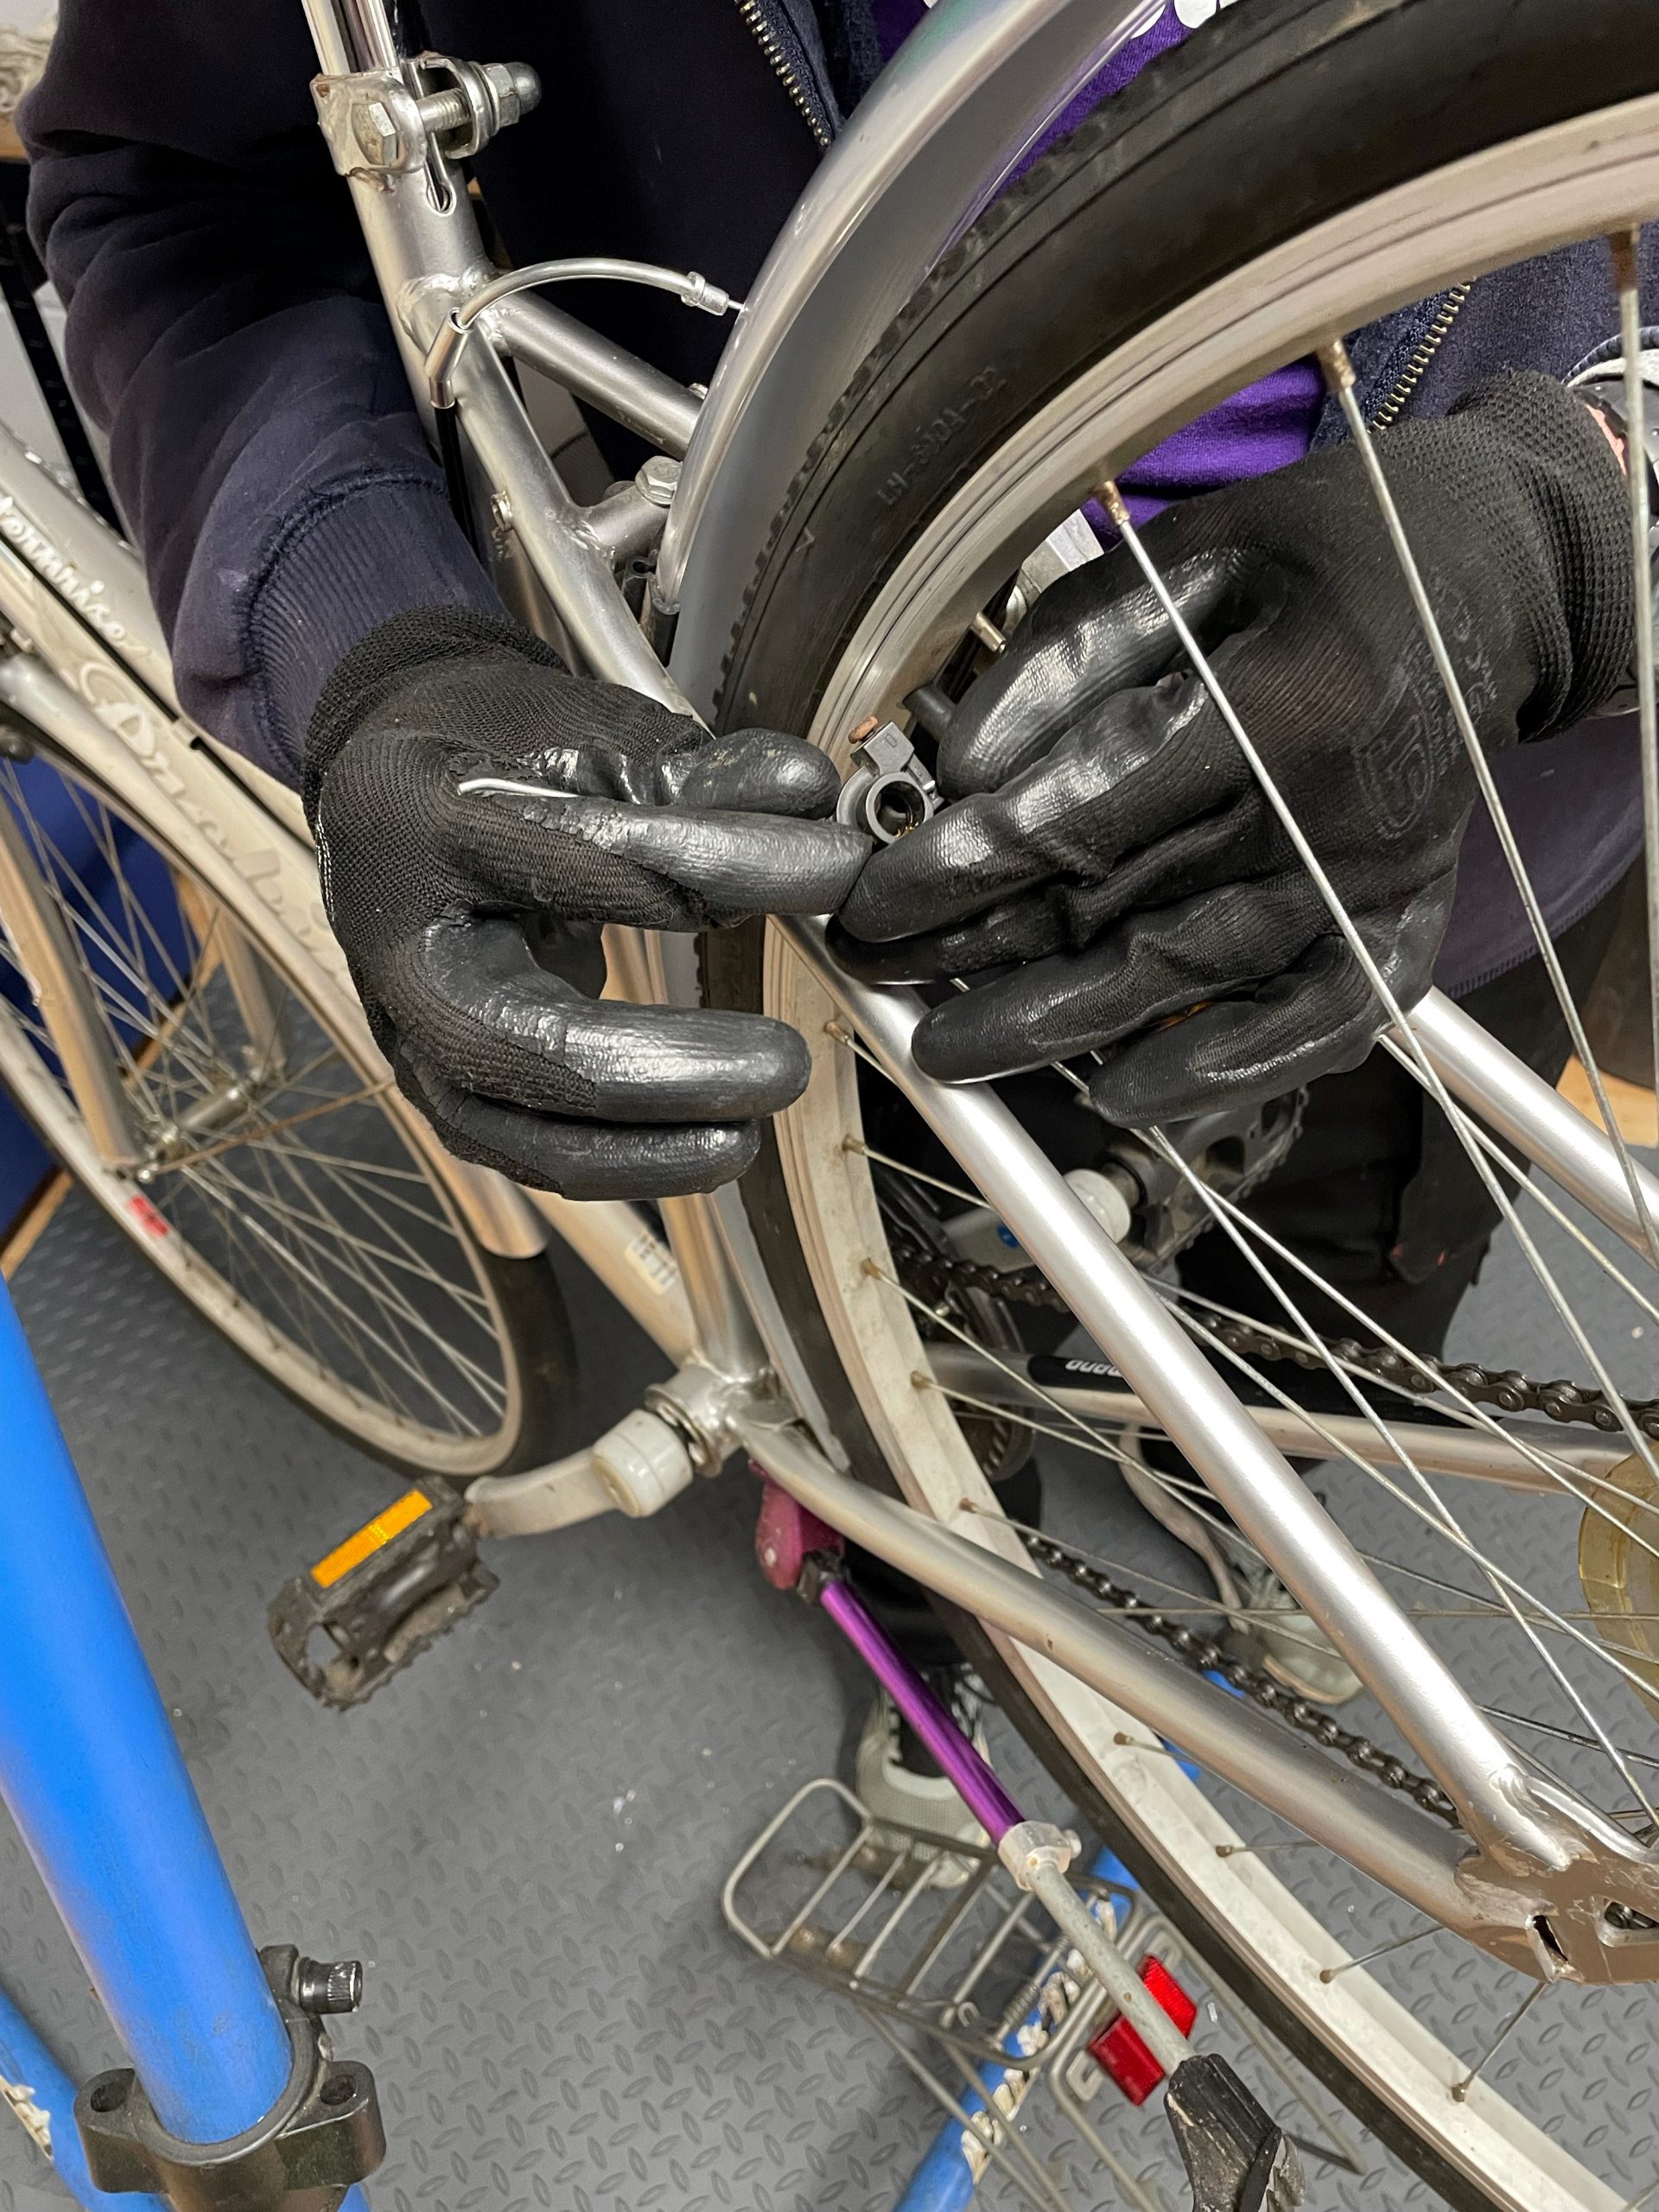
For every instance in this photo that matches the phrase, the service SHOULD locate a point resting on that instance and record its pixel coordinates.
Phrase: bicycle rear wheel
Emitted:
(268, 1174)
(1294, 170)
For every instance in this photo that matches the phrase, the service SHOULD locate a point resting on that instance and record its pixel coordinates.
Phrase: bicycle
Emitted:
(802, 554)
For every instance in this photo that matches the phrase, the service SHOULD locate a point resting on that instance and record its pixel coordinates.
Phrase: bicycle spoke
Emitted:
(365, 1167)
(392, 1307)
(343, 1317)
(1437, 1513)
(331, 1249)
(1441, 1520)
(1541, 1197)
(352, 1259)
(405, 1259)
(1561, 1475)
(236, 1142)
(1419, 1061)
(330, 1261)
(1460, 2089)
(1626, 253)
(1340, 375)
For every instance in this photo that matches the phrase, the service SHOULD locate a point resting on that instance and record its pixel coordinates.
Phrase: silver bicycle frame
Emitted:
(1544, 1866)
(924, 153)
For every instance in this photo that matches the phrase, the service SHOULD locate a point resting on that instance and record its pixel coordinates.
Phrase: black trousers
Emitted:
(1377, 1195)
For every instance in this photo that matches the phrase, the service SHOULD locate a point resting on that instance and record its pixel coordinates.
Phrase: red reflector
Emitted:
(1118, 2050)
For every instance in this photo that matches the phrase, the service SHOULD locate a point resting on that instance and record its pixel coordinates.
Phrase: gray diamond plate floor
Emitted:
(525, 1835)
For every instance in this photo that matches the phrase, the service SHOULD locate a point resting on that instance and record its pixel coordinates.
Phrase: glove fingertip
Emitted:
(870, 912)
(952, 1046)
(762, 771)
(830, 858)
(778, 1065)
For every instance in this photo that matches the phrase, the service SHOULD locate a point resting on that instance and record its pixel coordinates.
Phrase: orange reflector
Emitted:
(398, 1516)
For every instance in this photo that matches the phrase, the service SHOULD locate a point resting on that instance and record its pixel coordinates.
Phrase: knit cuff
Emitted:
(354, 557)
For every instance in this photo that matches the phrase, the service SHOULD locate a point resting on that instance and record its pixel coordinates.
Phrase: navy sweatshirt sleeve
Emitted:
(224, 331)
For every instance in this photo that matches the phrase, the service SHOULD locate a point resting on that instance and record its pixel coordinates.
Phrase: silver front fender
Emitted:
(970, 91)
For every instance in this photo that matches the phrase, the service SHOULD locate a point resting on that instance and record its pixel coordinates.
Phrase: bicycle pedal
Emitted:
(1236, 2158)
(380, 1597)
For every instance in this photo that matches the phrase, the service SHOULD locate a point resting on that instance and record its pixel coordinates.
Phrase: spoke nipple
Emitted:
(1623, 246)
(1338, 368)
(1460, 2089)
(1112, 499)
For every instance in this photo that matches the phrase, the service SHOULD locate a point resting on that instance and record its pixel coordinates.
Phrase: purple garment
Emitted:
(1268, 425)
(895, 22)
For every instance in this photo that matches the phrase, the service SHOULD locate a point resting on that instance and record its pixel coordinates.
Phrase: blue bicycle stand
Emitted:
(233, 2104)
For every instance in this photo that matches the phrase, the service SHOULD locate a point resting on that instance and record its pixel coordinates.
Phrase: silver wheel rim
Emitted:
(308, 1227)
(1578, 180)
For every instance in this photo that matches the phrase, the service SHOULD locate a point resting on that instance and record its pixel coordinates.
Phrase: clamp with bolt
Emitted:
(323, 2133)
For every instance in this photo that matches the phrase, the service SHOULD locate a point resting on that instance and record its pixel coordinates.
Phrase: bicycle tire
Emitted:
(1274, 118)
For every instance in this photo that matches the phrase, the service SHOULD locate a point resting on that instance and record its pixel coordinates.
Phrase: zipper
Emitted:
(782, 68)
(1417, 368)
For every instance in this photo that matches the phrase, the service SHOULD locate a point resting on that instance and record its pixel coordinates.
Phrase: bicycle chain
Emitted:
(935, 1275)
(1208, 1656)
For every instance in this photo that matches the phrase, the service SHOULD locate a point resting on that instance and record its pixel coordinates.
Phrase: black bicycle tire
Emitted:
(535, 1333)
(1306, 108)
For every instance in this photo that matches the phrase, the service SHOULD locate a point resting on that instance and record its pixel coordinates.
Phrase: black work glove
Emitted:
(1107, 831)
(472, 923)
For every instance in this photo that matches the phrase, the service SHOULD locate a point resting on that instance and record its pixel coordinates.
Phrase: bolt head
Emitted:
(659, 479)
(376, 133)
(320, 1985)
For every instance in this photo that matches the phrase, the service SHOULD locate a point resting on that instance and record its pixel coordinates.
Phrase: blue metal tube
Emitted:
(43, 2098)
(93, 1778)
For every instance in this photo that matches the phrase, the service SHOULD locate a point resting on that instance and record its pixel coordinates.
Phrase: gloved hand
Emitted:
(1108, 832)
(472, 923)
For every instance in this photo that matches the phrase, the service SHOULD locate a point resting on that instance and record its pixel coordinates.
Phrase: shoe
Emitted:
(895, 1780)
(1292, 1647)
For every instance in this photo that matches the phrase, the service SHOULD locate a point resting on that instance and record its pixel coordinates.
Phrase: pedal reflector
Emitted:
(371, 1538)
